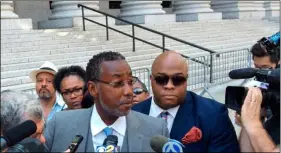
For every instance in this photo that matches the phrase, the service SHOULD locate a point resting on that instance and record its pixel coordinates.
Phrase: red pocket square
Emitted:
(193, 135)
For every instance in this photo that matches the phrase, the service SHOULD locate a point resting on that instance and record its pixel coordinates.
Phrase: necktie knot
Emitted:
(164, 115)
(108, 131)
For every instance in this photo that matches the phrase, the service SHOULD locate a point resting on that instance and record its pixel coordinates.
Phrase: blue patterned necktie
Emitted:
(164, 116)
(108, 131)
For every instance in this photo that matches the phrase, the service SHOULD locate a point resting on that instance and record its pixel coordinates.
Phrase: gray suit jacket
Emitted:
(66, 124)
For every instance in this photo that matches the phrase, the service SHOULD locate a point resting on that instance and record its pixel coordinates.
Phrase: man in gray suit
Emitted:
(110, 81)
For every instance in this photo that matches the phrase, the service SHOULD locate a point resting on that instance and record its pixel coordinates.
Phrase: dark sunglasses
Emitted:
(138, 91)
(164, 79)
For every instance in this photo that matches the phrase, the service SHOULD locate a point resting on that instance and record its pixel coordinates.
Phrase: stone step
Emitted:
(20, 87)
(198, 24)
(60, 59)
(219, 35)
(26, 80)
(205, 32)
(13, 36)
(76, 42)
(129, 56)
(24, 52)
(196, 74)
(16, 50)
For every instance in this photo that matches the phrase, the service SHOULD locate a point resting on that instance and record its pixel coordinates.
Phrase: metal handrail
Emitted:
(145, 28)
(142, 27)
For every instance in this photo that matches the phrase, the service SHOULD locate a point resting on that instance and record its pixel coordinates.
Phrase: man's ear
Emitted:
(92, 88)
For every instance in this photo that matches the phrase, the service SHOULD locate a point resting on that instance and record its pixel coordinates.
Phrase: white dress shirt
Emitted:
(97, 126)
(155, 111)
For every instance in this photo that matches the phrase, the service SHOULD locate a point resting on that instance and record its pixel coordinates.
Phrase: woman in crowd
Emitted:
(70, 83)
(140, 92)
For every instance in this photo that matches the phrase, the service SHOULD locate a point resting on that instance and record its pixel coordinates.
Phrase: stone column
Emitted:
(194, 11)
(238, 9)
(272, 9)
(259, 10)
(143, 12)
(66, 9)
(7, 10)
(66, 14)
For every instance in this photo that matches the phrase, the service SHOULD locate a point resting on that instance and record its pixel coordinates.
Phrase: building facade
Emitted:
(141, 11)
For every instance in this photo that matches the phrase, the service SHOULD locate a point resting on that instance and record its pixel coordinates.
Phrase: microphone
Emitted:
(17, 134)
(110, 143)
(162, 144)
(265, 75)
(243, 73)
(29, 145)
(75, 143)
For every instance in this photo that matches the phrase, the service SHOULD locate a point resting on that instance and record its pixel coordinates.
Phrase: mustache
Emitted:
(127, 101)
(43, 89)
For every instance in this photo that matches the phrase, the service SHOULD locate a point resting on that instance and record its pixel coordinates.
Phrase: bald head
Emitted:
(169, 79)
(170, 58)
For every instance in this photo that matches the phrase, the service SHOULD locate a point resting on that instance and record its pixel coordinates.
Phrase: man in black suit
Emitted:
(201, 124)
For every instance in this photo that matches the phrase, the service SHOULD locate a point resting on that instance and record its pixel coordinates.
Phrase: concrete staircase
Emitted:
(25, 50)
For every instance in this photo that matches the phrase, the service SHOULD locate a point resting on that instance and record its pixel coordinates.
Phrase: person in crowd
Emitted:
(44, 78)
(140, 91)
(88, 100)
(71, 84)
(17, 107)
(200, 124)
(110, 82)
(265, 56)
(254, 137)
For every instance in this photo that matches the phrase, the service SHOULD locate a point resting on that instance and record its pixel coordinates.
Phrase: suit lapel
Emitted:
(85, 131)
(132, 140)
(146, 106)
(184, 119)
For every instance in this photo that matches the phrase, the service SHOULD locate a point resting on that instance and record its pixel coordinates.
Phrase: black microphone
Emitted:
(161, 144)
(110, 143)
(157, 143)
(271, 75)
(110, 140)
(243, 73)
(29, 145)
(75, 143)
(17, 134)
(264, 75)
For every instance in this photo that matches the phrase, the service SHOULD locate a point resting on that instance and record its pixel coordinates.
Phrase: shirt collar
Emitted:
(98, 125)
(59, 101)
(155, 110)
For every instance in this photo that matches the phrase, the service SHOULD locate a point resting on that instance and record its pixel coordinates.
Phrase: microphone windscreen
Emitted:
(29, 145)
(243, 73)
(110, 140)
(20, 132)
(157, 142)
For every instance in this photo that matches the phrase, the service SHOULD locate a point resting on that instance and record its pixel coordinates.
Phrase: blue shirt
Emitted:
(56, 108)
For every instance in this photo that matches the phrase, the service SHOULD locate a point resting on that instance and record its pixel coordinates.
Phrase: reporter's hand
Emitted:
(67, 151)
(251, 109)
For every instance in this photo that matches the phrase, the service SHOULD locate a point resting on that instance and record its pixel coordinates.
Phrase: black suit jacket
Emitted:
(211, 117)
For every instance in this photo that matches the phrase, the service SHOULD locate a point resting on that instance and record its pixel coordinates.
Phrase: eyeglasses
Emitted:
(75, 91)
(164, 79)
(119, 84)
(138, 91)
